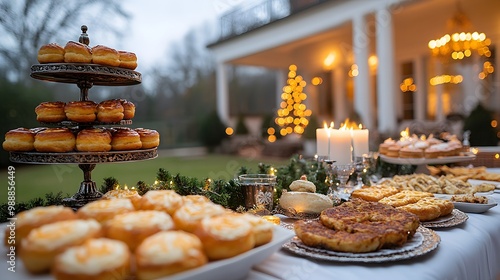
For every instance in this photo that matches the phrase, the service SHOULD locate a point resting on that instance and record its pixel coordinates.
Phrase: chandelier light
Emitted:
(461, 44)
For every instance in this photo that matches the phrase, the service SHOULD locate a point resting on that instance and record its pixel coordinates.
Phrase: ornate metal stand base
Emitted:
(88, 191)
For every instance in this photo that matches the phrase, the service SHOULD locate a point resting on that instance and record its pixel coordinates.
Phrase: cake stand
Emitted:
(84, 76)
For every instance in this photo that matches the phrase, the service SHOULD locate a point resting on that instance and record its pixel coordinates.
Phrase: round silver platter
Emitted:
(93, 73)
(83, 157)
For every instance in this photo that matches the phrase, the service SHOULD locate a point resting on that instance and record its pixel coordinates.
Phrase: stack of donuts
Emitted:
(108, 111)
(75, 52)
(64, 140)
(127, 235)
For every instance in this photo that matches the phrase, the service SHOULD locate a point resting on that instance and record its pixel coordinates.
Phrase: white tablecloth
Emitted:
(468, 251)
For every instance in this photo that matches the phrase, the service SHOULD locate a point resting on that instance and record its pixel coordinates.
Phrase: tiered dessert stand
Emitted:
(84, 76)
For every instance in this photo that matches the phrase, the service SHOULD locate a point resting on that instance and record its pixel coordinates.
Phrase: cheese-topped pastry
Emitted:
(100, 258)
(42, 244)
(163, 200)
(225, 236)
(189, 215)
(105, 209)
(168, 252)
(133, 227)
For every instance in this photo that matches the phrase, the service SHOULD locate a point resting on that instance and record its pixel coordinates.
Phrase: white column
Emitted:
(385, 77)
(222, 93)
(339, 95)
(421, 93)
(363, 104)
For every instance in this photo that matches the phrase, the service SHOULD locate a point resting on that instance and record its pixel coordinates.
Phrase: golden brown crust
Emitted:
(405, 197)
(163, 200)
(128, 60)
(225, 236)
(104, 210)
(105, 56)
(93, 140)
(19, 140)
(81, 111)
(50, 112)
(167, 253)
(110, 111)
(125, 139)
(51, 53)
(128, 109)
(374, 193)
(57, 140)
(358, 226)
(429, 208)
(36, 217)
(75, 52)
(150, 138)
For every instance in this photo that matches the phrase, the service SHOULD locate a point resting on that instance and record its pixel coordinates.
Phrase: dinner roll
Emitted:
(75, 52)
(302, 186)
(51, 53)
(50, 112)
(105, 56)
(128, 109)
(57, 140)
(19, 140)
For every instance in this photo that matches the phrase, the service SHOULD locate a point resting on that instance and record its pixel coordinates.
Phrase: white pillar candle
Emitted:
(340, 150)
(322, 142)
(360, 142)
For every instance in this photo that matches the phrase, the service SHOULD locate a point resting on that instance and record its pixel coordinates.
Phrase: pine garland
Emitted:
(225, 193)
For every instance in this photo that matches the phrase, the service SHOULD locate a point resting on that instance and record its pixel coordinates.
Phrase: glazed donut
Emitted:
(133, 227)
(105, 56)
(50, 112)
(149, 138)
(133, 195)
(19, 140)
(93, 140)
(189, 215)
(57, 140)
(163, 200)
(168, 252)
(81, 111)
(128, 109)
(128, 60)
(36, 217)
(125, 139)
(51, 53)
(43, 244)
(225, 236)
(75, 52)
(99, 258)
(110, 111)
(105, 209)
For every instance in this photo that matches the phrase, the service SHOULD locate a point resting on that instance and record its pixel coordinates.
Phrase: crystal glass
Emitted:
(332, 182)
(343, 172)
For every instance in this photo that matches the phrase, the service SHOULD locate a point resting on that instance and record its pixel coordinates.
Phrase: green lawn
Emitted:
(36, 180)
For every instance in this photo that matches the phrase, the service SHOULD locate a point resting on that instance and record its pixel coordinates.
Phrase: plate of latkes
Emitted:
(456, 218)
(423, 241)
(473, 204)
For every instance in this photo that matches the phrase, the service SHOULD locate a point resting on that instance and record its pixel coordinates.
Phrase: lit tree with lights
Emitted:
(293, 113)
